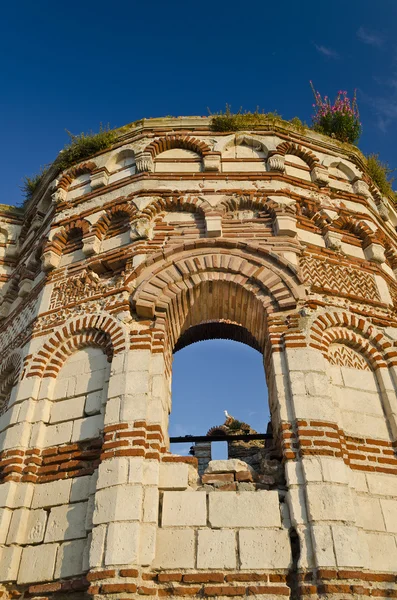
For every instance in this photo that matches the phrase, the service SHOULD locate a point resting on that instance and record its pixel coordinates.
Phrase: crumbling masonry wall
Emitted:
(176, 234)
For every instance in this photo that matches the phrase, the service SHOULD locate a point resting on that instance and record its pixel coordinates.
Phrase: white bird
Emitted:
(227, 414)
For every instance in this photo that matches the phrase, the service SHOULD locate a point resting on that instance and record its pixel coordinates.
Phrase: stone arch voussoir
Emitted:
(67, 179)
(306, 155)
(353, 331)
(169, 142)
(100, 330)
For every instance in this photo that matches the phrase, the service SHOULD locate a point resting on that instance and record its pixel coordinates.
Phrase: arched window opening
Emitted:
(218, 388)
(74, 241)
(120, 223)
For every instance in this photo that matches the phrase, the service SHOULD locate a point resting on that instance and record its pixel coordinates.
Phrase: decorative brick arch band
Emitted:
(176, 203)
(67, 179)
(98, 330)
(306, 155)
(357, 227)
(169, 142)
(102, 225)
(255, 202)
(59, 241)
(356, 332)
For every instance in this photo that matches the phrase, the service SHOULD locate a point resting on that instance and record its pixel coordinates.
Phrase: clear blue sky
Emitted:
(73, 65)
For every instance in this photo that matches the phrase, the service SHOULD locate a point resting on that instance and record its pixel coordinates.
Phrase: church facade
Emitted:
(273, 237)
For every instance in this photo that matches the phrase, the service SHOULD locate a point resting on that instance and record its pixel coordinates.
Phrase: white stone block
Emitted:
(358, 481)
(147, 543)
(296, 501)
(369, 513)
(175, 549)
(97, 546)
(227, 466)
(93, 403)
(323, 546)
(10, 558)
(347, 546)
(66, 410)
(382, 552)
(334, 470)
(118, 503)
(66, 522)
(173, 476)
(52, 493)
(58, 434)
(16, 436)
(122, 544)
(312, 469)
(90, 513)
(113, 471)
(330, 503)
(138, 360)
(305, 359)
(245, 509)
(264, 549)
(80, 488)
(136, 466)
(314, 408)
(88, 428)
(16, 495)
(37, 566)
(5, 518)
(69, 560)
(27, 526)
(358, 379)
(133, 407)
(150, 472)
(216, 549)
(138, 383)
(316, 384)
(389, 509)
(382, 484)
(112, 411)
(151, 504)
(184, 509)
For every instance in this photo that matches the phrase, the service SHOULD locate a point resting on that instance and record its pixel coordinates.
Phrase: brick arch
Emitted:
(102, 225)
(60, 239)
(354, 331)
(312, 210)
(168, 142)
(254, 202)
(306, 155)
(100, 330)
(357, 227)
(67, 179)
(182, 203)
(212, 284)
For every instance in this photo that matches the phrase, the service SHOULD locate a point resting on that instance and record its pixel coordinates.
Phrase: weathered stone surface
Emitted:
(184, 509)
(226, 466)
(175, 549)
(216, 549)
(264, 549)
(247, 509)
(37, 566)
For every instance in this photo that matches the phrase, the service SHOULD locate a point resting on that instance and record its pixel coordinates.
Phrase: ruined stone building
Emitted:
(275, 238)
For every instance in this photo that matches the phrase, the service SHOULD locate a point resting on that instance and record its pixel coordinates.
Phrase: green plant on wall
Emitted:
(79, 148)
(381, 175)
(30, 184)
(340, 120)
(84, 145)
